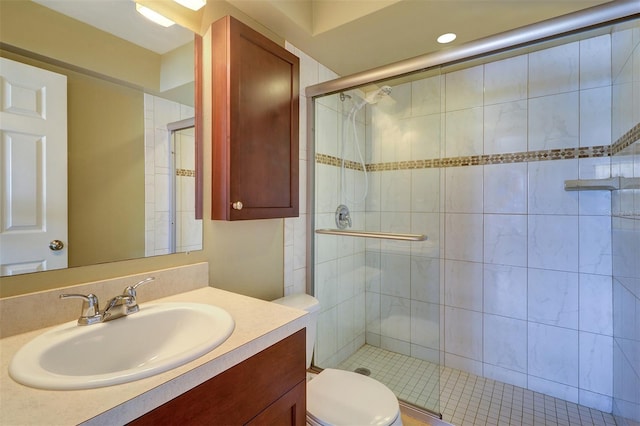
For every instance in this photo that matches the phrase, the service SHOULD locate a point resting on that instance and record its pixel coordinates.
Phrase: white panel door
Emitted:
(33, 169)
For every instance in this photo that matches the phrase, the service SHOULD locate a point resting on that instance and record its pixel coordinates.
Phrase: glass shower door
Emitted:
(380, 297)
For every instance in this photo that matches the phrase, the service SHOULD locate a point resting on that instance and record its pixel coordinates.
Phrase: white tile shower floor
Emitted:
(466, 399)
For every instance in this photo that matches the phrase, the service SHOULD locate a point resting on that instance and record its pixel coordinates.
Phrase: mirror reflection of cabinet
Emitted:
(255, 124)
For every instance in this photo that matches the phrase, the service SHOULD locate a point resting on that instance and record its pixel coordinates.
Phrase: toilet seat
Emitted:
(337, 397)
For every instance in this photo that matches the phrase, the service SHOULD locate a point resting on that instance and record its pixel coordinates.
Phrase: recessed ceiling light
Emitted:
(154, 16)
(192, 4)
(446, 38)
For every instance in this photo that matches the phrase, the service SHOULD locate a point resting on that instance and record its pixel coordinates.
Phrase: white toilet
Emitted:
(337, 397)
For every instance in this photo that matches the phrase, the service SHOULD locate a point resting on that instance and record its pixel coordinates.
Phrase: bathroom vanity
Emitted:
(257, 375)
(268, 388)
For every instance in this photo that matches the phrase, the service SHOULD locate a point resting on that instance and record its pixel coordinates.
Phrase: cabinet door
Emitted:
(255, 125)
(289, 410)
(265, 386)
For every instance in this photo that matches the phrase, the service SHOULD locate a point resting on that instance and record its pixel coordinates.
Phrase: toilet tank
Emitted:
(312, 306)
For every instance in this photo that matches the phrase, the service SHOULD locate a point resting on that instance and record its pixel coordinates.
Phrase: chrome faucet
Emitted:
(125, 303)
(119, 306)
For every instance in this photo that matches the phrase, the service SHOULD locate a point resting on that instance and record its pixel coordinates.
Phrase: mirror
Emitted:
(130, 168)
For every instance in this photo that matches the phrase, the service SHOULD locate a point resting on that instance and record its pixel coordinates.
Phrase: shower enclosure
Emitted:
(170, 220)
(469, 251)
(185, 230)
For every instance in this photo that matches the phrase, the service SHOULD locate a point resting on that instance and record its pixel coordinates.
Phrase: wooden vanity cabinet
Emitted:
(267, 389)
(255, 113)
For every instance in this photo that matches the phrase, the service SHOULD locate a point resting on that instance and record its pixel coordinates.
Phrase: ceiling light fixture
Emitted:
(154, 16)
(192, 4)
(446, 38)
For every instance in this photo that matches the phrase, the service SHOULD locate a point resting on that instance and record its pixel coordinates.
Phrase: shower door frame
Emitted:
(591, 18)
(173, 128)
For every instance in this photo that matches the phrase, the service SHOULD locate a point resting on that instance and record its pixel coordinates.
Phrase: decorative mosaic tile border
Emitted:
(185, 172)
(481, 160)
(626, 140)
(474, 160)
(330, 160)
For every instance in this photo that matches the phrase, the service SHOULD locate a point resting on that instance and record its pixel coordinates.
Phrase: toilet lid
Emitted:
(340, 397)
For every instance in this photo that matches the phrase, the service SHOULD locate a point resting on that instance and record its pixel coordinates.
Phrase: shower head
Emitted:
(372, 98)
(344, 96)
(376, 95)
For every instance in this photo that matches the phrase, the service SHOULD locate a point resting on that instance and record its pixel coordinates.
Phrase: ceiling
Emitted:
(350, 36)
(119, 17)
(347, 36)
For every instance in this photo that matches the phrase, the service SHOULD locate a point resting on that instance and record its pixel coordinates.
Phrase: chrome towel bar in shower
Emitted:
(371, 234)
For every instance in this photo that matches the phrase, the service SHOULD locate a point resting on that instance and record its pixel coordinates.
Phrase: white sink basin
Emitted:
(158, 338)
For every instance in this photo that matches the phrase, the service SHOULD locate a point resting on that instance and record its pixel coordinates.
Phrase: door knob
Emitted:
(237, 205)
(56, 245)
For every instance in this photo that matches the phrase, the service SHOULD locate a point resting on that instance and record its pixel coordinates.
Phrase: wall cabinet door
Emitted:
(255, 84)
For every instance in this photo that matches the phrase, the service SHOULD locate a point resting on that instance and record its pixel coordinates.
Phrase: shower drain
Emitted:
(363, 371)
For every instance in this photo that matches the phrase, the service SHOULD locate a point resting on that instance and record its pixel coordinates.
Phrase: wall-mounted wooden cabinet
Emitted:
(255, 95)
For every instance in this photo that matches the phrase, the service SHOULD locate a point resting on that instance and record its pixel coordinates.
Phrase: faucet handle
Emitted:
(130, 291)
(343, 217)
(146, 280)
(90, 310)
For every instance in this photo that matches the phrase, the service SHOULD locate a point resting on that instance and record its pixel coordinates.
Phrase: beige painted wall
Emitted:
(105, 144)
(106, 171)
(177, 68)
(244, 257)
(40, 30)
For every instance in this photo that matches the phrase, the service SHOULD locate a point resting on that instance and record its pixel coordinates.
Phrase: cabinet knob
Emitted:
(237, 205)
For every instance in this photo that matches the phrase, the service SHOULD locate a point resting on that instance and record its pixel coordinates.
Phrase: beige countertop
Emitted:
(258, 325)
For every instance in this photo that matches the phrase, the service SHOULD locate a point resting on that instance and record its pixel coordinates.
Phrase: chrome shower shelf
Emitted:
(607, 184)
